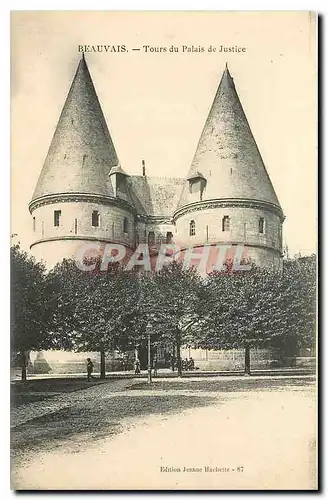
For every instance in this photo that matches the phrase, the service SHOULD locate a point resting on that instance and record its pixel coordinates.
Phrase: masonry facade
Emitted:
(83, 193)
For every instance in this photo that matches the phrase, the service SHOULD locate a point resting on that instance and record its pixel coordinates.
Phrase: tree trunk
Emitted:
(24, 366)
(247, 360)
(102, 365)
(173, 359)
(178, 346)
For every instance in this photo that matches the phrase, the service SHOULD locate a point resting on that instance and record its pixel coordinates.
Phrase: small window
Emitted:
(57, 214)
(95, 218)
(169, 237)
(226, 223)
(75, 226)
(113, 229)
(194, 186)
(192, 228)
(125, 225)
(34, 224)
(261, 225)
(151, 238)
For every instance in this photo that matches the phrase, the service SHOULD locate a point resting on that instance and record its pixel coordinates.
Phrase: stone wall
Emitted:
(264, 249)
(233, 359)
(75, 225)
(111, 219)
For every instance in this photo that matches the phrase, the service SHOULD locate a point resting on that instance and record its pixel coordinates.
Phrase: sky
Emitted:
(156, 103)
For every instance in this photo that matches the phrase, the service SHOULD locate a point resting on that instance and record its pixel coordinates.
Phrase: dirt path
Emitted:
(269, 435)
(26, 412)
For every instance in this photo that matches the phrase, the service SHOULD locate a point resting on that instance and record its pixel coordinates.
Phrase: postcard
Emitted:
(163, 250)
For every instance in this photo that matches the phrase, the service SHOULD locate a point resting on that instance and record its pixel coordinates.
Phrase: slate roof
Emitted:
(227, 154)
(156, 196)
(81, 153)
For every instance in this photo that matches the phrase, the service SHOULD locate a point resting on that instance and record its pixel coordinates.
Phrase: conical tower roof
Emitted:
(227, 155)
(81, 153)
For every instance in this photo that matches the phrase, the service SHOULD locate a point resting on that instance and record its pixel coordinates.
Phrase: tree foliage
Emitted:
(113, 309)
(32, 309)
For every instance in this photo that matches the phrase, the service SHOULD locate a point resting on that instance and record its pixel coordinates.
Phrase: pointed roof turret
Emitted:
(227, 155)
(81, 153)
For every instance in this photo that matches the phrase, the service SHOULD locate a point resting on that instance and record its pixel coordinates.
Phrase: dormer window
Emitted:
(95, 218)
(226, 223)
(197, 183)
(151, 238)
(192, 228)
(261, 225)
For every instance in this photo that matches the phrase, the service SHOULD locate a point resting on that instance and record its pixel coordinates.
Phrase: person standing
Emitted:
(155, 365)
(137, 366)
(89, 369)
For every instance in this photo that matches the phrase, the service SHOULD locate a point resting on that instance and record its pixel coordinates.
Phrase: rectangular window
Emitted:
(57, 215)
(34, 224)
(169, 237)
(261, 225)
(226, 223)
(192, 228)
(125, 225)
(95, 218)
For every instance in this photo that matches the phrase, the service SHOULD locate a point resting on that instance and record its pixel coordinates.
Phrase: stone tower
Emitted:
(227, 197)
(82, 194)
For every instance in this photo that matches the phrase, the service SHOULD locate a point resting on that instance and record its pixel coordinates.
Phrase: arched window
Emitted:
(125, 225)
(261, 225)
(226, 223)
(192, 228)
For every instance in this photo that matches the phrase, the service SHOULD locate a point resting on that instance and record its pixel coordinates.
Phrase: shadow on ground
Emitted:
(226, 384)
(71, 427)
(37, 390)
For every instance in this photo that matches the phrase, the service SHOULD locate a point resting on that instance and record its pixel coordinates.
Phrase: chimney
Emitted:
(143, 168)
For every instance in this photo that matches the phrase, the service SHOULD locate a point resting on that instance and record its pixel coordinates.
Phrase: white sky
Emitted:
(156, 104)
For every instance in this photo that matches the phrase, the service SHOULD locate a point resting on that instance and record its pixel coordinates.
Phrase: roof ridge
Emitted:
(155, 177)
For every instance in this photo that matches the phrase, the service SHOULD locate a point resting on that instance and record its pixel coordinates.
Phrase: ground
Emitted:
(204, 433)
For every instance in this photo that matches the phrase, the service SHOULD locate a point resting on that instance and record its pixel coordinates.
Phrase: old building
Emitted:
(84, 194)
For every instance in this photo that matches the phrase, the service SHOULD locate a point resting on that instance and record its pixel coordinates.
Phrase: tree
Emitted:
(31, 306)
(236, 310)
(260, 308)
(293, 322)
(176, 291)
(95, 309)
